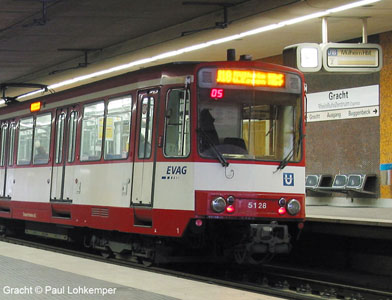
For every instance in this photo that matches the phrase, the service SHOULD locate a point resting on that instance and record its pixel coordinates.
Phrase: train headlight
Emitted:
(218, 204)
(293, 207)
(230, 200)
(282, 202)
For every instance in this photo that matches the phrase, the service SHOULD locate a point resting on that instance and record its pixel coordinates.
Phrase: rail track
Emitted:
(280, 281)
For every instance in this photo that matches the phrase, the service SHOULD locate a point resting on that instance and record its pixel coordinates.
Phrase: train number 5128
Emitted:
(257, 205)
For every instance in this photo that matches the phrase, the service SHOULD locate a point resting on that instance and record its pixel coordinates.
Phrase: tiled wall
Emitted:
(386, 108)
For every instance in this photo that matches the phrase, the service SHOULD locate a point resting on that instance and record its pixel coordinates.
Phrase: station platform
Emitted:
(29, 273)
(361, 215)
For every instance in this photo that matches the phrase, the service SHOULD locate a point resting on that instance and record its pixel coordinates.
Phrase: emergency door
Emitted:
(64, 154)
(6, 157)
(144, 157)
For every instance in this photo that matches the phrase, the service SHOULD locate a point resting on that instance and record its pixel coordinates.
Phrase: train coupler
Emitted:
(264, 241)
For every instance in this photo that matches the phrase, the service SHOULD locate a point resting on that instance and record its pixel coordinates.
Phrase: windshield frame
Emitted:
(296, 152)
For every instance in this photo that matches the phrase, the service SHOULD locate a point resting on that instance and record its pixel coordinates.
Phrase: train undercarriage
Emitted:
(214, 241)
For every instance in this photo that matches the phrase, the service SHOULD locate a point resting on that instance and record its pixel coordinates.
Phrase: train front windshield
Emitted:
(257, 123)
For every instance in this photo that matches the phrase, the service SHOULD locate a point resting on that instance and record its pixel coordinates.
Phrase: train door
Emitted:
(64, 154)
(144, 158)
(6, 156)
(3, 154)
(8, 131)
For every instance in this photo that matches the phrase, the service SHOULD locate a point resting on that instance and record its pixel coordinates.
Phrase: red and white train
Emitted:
(160, 161)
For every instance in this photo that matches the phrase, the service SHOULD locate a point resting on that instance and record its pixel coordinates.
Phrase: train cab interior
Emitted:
(250, 125)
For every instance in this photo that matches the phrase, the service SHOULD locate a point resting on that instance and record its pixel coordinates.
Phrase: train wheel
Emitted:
(3, 230)
(258, 259)
(147, 262)
(240, 254)
(107, 253)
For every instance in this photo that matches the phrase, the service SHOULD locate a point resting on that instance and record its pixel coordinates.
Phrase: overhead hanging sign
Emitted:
(334, 57)
(352, 103)
(306, 57)
(352, 57)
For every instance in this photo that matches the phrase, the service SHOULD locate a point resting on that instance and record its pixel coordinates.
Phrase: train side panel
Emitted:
(174, 186)
(30, 184)
(102, 184)
(250, 178)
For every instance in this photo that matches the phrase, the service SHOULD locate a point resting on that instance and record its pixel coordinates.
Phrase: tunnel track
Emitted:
(271, 280)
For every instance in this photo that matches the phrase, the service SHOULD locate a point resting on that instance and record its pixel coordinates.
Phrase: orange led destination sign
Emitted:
(35, 106)
(250, 78)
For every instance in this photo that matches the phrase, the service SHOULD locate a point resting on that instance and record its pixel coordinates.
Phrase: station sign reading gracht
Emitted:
(360, 102)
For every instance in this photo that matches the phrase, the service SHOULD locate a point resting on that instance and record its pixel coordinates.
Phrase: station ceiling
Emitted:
(46, 41)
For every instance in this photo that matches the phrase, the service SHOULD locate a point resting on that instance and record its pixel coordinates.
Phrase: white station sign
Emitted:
(361, 102)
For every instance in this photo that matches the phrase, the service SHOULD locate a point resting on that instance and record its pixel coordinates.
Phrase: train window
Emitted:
(72, 126)
(60, 125)
(146, 127)
(42, 138)
(118, 121)
(25, 142)
(177, 133)
(245, 124)
(11, 144)
(4, 131)
(92, 132)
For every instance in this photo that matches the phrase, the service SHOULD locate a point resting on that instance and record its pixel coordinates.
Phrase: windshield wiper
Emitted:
(283, 163)
(273, 122)
(286, 160)
(218, 154)
(301, 137)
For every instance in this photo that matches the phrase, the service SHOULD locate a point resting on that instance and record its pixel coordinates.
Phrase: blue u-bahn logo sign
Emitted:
(332, 52)
(288, 179)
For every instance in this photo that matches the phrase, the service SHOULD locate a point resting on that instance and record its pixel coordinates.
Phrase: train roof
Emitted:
(181, 68)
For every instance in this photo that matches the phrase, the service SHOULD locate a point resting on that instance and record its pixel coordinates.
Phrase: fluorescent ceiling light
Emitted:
(204, 45)
(351, 6)
(261, 29)
(305, 18)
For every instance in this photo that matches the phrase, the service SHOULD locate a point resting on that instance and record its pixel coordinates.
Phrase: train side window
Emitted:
(72, 126)
(4, 131)
(25, 141)
(118, 121)
(42, 139)
(146, 127)
(60, 125)
(177, 131)
(92, 132)
(11, 144)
